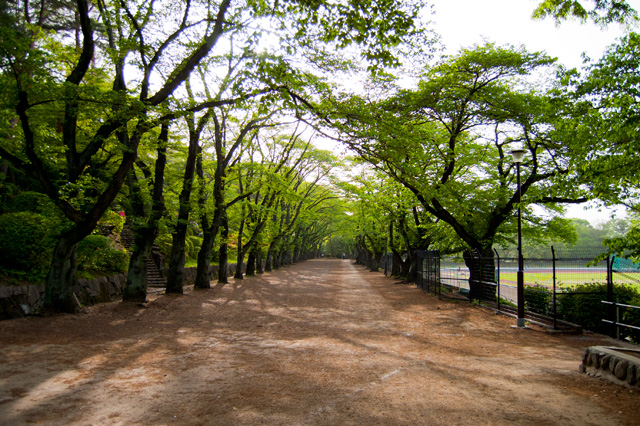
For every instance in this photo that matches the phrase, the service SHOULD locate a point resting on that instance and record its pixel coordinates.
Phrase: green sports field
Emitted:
(568, 278)
(456, 275)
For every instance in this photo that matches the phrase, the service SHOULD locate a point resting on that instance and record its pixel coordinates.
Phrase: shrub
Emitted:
(632, 317)
(164, 241)
(111, 223)
(537, 298)
(25, 243)
(97, 256)
(192, 246)
(583, 305)
(35, 202)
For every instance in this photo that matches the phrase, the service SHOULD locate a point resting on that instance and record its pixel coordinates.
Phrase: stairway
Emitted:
(154, 274)
(127, 238)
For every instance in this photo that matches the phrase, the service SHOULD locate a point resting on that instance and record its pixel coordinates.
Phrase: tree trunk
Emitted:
(136, 288)
(251, 263)
(396, 265)
(259, 268)
(277, 257)
(268, 266)
(239, 265)
(405, 266)
(482, 274)
(375, 261)
(61, 277)
(203, 275)
(240, 258)
(223, 263)
(414, 265)
(175, 276)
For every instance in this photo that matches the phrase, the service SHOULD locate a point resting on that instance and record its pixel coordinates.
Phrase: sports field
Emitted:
(456, 275)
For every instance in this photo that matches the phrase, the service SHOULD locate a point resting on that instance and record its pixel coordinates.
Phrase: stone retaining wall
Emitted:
(17, 301)
(612, 364)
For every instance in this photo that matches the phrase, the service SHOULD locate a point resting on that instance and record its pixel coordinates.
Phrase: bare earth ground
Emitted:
(323, 342)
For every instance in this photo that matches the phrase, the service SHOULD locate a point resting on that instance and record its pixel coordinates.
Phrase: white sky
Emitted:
(462, 23)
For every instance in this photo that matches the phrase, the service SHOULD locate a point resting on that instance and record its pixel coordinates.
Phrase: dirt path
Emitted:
(319, 343)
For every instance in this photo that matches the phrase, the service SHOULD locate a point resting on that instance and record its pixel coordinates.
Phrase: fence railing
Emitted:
(550, 283)
(616, 321)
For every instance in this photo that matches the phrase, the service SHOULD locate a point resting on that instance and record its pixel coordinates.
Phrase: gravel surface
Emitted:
(323, 342)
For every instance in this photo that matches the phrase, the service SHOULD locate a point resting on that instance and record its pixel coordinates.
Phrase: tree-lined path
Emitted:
(320, 342)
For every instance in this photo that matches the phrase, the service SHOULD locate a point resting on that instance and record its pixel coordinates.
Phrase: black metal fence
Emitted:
(386, 263)
(619, 316)
(556, 287)
(429, 268)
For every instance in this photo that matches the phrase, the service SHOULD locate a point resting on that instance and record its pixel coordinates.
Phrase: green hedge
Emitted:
(537, 299)
(97, 256)
(35, 202)
(192, 246)
(583, 305)
(26, 244)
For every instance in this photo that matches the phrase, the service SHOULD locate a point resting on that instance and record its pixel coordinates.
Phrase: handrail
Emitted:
(616, 323)
(606, 302)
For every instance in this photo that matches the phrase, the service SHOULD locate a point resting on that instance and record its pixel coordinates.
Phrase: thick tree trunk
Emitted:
(405, 266)
(61, 277)
(414, 266)
(175, 276)
(375, 261)
(295, 258)
(396, 265)
(203, 276)
(136, 288)
(210, 231)
(259, 268)
(277, 259)
(240, 258)
(239, 261)
(223, 263)
(482, 270)
(268, 264)
(251, 263)
(239, 275)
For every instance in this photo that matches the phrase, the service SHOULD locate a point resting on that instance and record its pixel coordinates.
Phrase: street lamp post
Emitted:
(518, 156)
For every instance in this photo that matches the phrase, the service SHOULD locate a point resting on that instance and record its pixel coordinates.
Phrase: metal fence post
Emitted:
(610, 260)
(498, 277)
(617, 320)
(429, 269)
(613, 308)
(555, 301)
(437, 273)
(385, 264)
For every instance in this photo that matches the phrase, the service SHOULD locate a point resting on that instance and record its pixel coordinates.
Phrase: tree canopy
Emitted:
(602, 12)
(195, 123)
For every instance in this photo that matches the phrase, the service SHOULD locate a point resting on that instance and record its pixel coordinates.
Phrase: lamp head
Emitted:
(518, 155)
